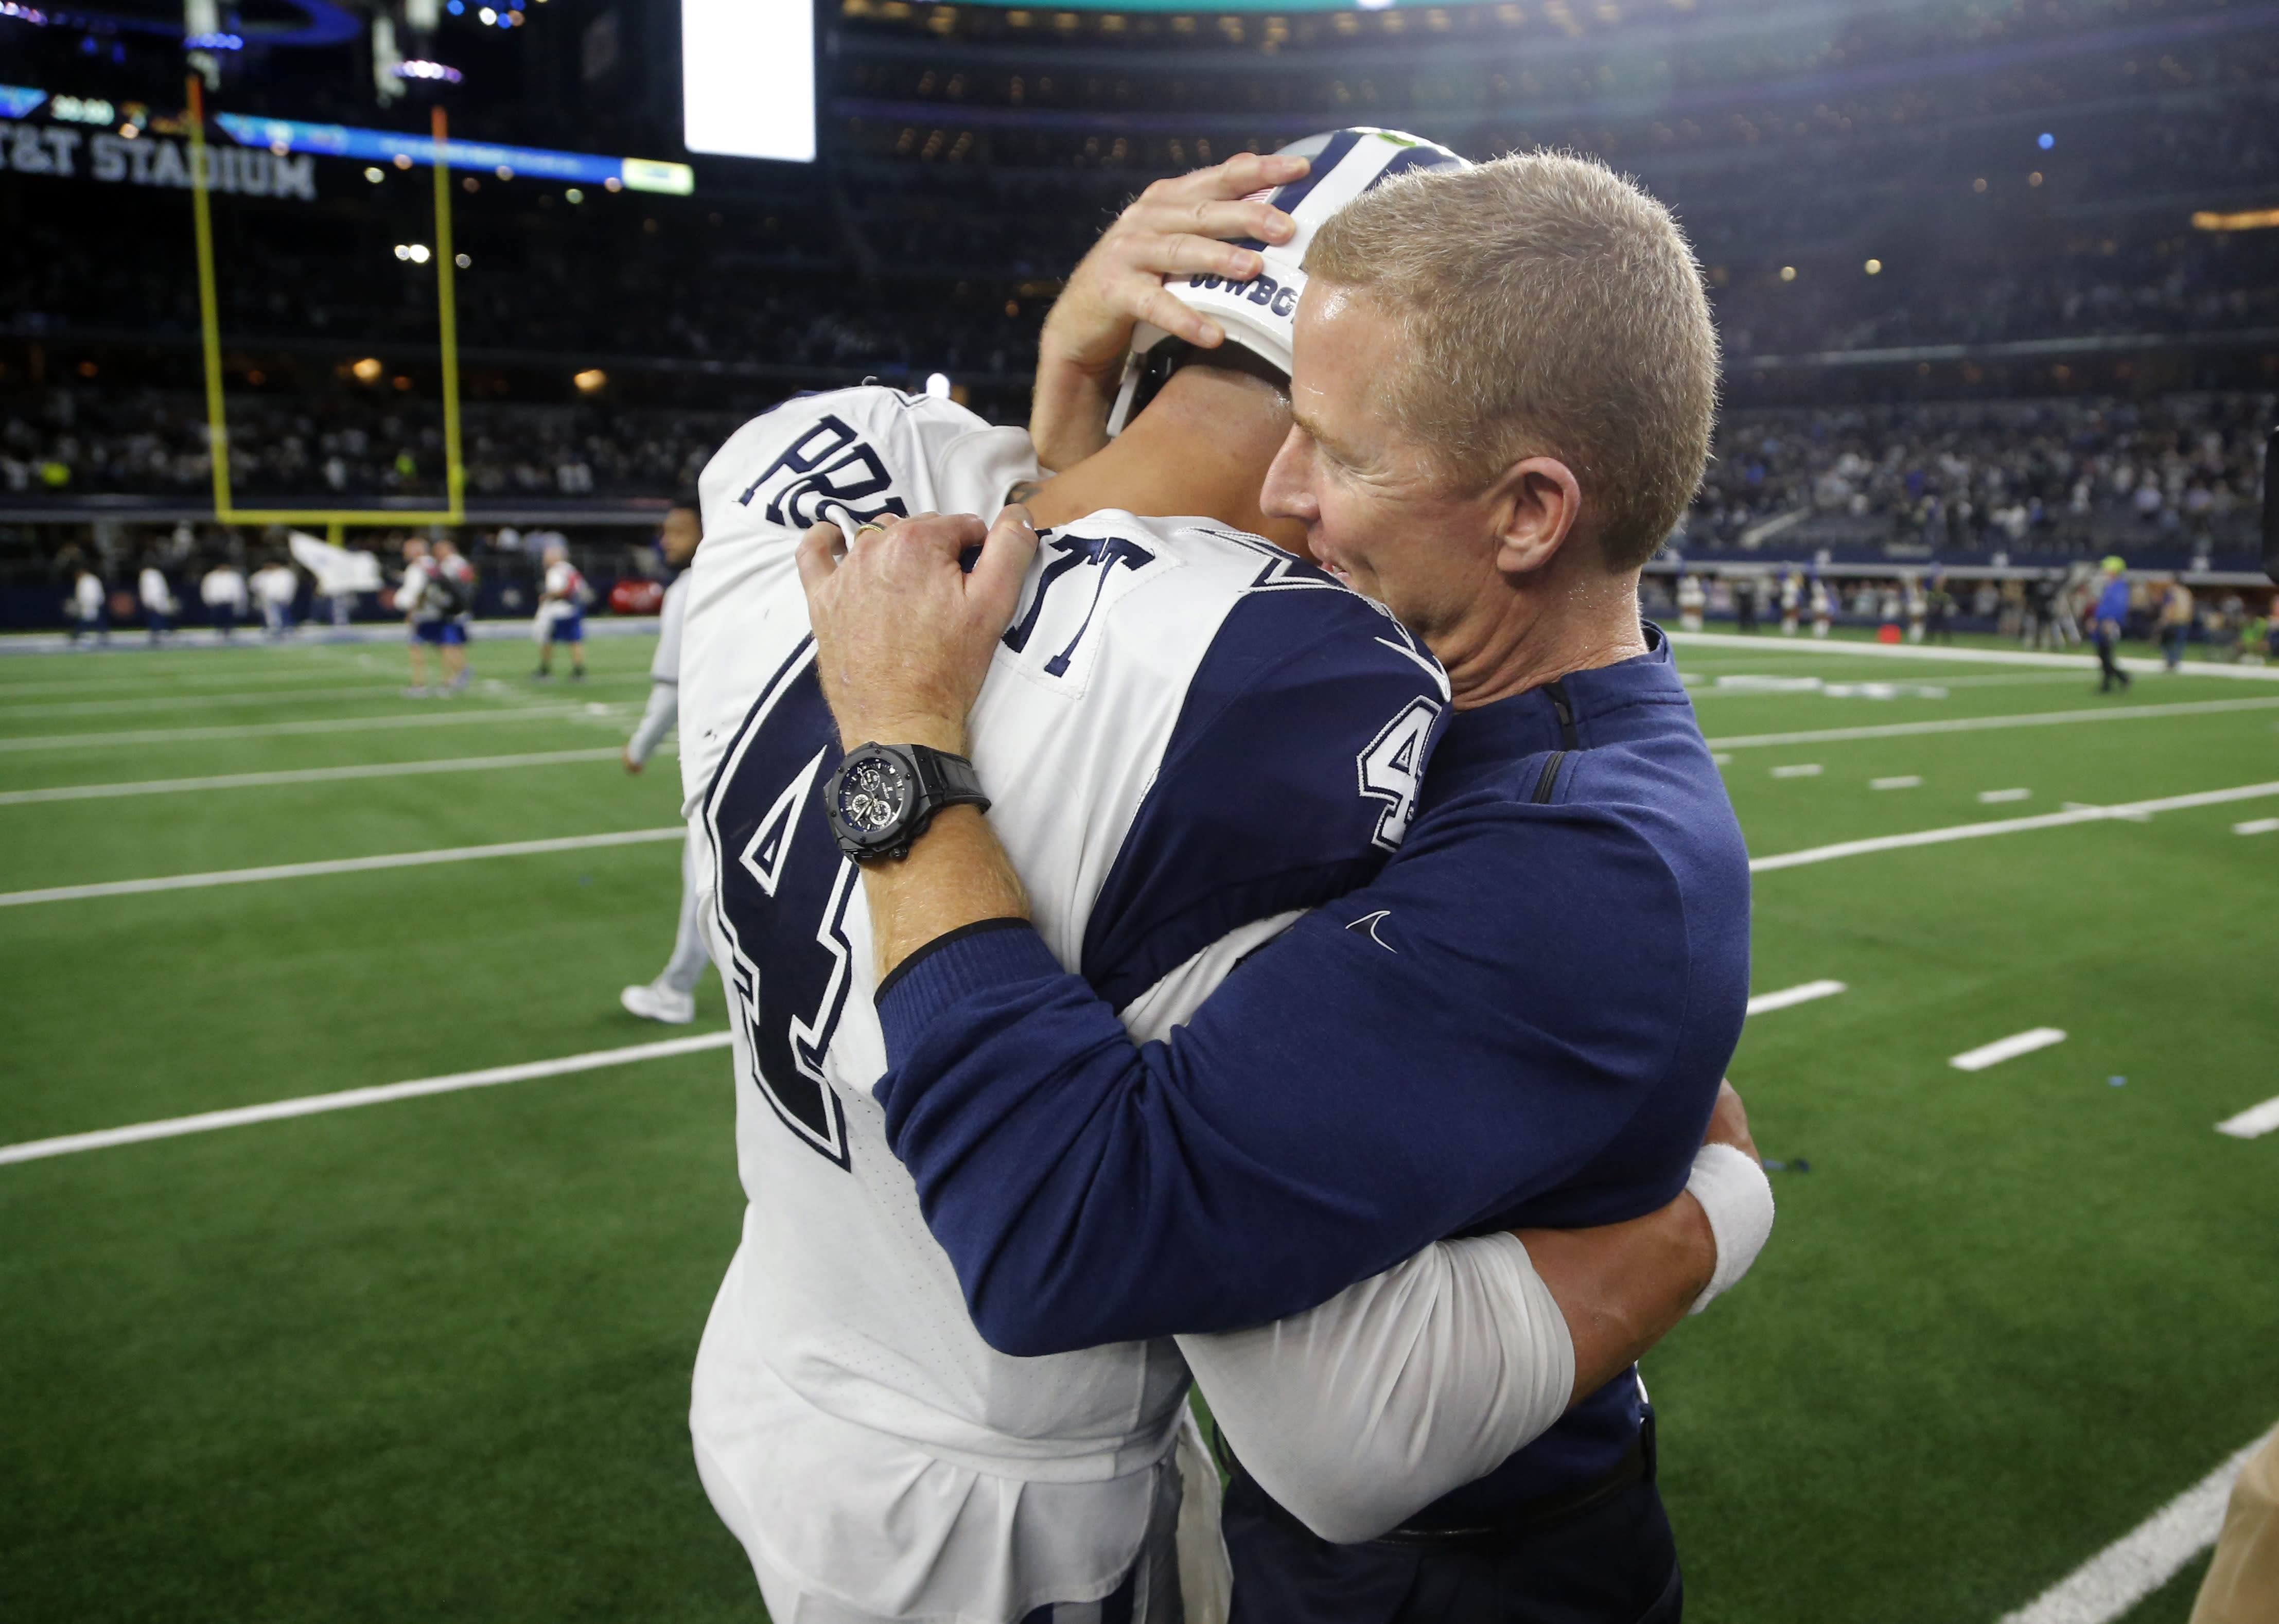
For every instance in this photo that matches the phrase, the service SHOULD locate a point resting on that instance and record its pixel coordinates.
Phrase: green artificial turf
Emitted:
(430, 1359)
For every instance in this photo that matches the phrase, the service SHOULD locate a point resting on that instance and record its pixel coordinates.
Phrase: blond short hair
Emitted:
(1551, 308)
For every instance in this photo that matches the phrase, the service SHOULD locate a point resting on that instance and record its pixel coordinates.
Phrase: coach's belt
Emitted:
(1507, 1528)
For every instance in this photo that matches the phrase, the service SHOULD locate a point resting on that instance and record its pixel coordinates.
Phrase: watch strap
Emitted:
(944, 780)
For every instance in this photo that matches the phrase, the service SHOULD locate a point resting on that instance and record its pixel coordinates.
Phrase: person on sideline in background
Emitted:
(671, 996)
(274, 587)
(561, 612)
(1692, 599)
(2241, 1586)
(422, 621)
(1824, 607)
(1791, 598)
(2176, 621)
(157, 596)
(451, 587)
(87, 615)
(2112, 611)
(223, 590)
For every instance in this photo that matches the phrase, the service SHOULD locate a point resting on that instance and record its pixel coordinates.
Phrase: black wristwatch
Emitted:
(883, 797)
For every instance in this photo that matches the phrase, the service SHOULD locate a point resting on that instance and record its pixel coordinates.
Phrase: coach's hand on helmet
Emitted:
(1174, 228)
(903, 633)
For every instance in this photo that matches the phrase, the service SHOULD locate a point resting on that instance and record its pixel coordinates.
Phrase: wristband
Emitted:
(1737, 1197)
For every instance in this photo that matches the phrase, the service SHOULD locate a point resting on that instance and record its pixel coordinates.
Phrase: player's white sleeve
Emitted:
(657, 721)
(1357, 1415)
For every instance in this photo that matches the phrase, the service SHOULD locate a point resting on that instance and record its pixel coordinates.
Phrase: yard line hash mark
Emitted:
(2006, 1048)
(339, 865)
(2253, 1122)
(303, 775)
(1993, 797)
(311, 1105)
(1806, 769)
(1974, 725)
(1910, 780)
(2257, 826)
(2142, 1560)
(2131, 812)
(1764, 1003)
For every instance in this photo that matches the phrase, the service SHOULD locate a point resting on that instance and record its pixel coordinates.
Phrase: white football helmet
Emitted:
(1257, 314)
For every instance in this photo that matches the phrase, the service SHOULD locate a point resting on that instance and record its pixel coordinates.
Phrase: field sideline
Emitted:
(428, 1356)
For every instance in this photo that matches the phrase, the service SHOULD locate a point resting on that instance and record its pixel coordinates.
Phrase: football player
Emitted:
(1210, 736)
(671, 996)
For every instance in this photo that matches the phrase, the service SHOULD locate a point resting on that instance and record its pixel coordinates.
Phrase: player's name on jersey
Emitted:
(152, 160)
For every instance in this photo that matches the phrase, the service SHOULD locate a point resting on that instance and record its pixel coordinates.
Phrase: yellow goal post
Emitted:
(335, 519)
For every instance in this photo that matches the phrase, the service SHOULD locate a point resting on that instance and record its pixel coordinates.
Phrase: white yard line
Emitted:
(2142, 1560)
(2253, 1122)
(269, 730)
(189, 702)
(2257, 826)
(2130, 811)
(1764, 1003)
(1972, 724)
(311, 1105)
(2006, 1048)
(1934, 651)
(306, 775)
(338, 865)
(72, 685)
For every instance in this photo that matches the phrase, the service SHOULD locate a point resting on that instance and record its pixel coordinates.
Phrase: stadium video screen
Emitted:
(747, 77)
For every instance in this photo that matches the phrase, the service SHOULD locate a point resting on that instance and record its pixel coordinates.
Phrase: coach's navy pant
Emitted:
(1614, 1563)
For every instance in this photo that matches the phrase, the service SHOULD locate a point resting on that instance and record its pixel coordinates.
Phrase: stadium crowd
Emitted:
(2070, 472)
(79, 440)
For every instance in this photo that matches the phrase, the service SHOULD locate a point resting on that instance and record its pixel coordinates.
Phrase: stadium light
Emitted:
(747, 77)
(415, 252)
(590, 381)
(368, 370)
(938, 385)
(1874, 267)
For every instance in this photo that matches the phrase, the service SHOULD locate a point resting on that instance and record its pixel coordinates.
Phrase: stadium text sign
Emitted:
(152, 160)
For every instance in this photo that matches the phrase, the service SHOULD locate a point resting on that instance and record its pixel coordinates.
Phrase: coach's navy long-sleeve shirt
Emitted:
(1522, 1021)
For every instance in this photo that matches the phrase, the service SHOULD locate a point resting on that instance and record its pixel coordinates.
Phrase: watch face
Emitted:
(873, 791)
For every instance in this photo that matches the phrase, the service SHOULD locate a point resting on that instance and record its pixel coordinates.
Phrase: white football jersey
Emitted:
(1191, 737)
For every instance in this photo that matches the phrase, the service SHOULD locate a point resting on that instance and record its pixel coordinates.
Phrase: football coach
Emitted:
(1502, 394)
